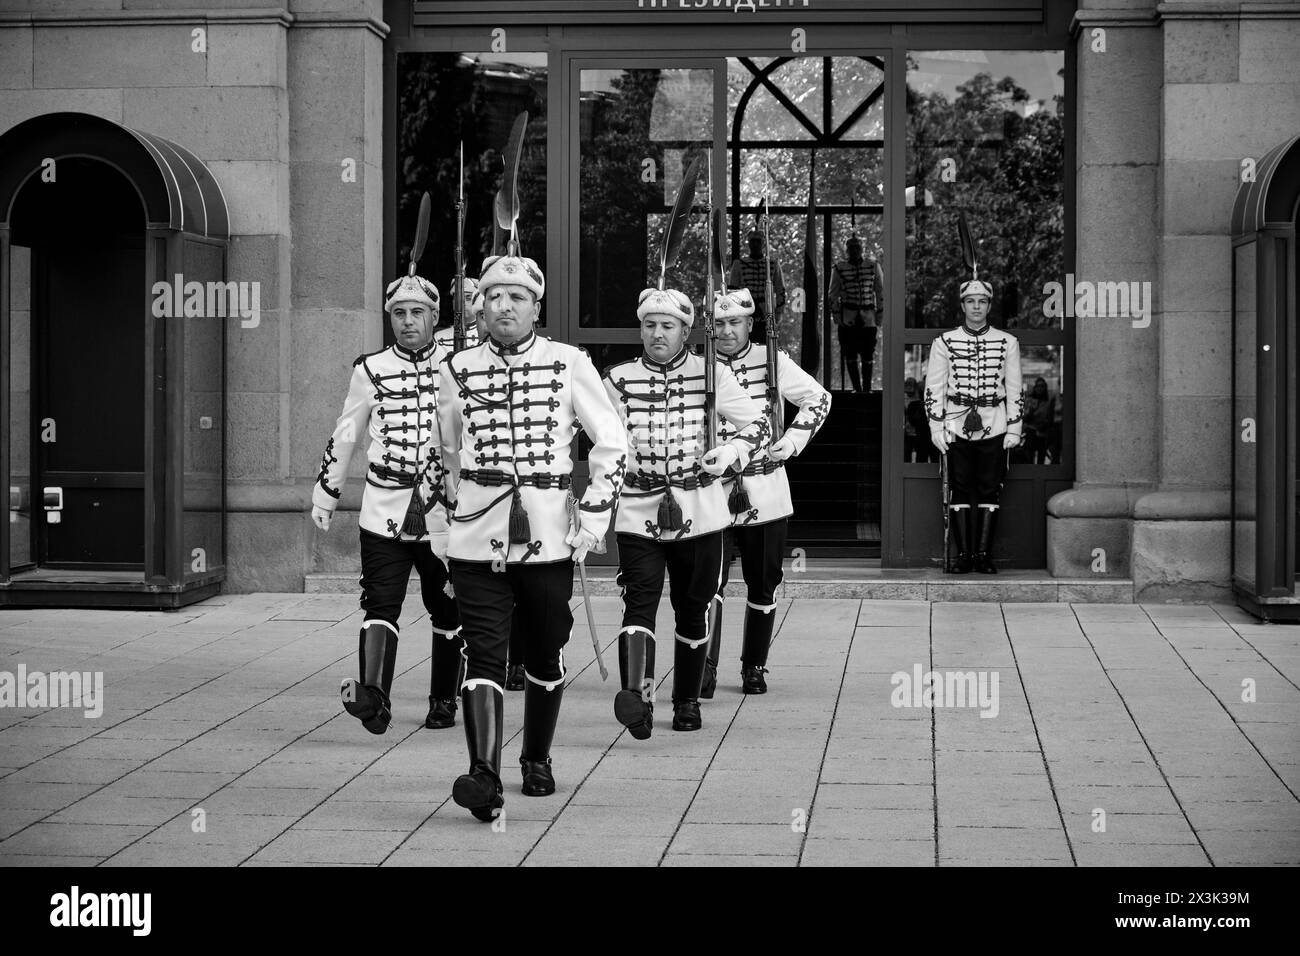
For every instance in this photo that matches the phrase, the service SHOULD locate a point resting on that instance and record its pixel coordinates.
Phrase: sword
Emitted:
(946, 493)
(575, 521)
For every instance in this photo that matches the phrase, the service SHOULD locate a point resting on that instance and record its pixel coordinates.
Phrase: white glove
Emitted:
(719, 459)
(1010, 440)
(781, 449)
(940, 440)
(320, 517)
(438, 542)
(581, 541)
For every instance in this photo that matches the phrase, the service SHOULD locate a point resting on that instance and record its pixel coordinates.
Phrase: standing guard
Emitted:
(751, 272)
(856, 299)
(974, 402)
(393, 401)
(759, 495)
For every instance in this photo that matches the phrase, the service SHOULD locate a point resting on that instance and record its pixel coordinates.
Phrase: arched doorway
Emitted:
(113, 408)
(1265, 264)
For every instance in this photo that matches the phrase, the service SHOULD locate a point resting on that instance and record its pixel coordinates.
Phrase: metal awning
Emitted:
(177, 189)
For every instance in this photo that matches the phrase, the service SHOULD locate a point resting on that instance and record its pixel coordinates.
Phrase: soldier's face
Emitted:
(733, 332)
(976, 308)
(412, 324)
(663, 336)
(510, 311)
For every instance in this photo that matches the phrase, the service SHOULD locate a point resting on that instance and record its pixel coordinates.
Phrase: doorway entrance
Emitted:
(807, 133)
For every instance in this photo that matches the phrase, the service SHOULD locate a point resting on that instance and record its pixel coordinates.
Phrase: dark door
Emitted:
(88, 395)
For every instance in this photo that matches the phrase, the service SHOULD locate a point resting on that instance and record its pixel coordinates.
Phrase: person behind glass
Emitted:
(856, 298)
(759, 495)
(916, 425)
(512, 410)
(392, 403)
(750, 272)
(976, 411)
(1040, 410)
(673, 509)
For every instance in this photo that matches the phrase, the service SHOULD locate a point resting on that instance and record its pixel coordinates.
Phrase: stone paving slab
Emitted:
(1122, 735)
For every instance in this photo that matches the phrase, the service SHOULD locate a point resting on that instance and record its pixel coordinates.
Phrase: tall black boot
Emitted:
(715, 649)
(541, 711)
(753, 656)
(634, 704)
(445, 669)
(959, 531)
(984, 550)
(688, 674)
(367, 699)
(479, 791)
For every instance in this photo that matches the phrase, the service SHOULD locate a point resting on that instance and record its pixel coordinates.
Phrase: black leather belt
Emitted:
(988, 402)
(400, 478)
(650, 482)
(492, 477)
(764, 467)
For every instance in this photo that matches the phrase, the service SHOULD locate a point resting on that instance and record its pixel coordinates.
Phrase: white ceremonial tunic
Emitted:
(763, 479)
(974, 370)
(392, 405)
(509, 418)
(662, 408)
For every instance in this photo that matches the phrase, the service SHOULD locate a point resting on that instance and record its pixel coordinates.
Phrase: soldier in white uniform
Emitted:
(759, 495)
(976, 409)
(509, 419)
(673, 507)
(392, 406)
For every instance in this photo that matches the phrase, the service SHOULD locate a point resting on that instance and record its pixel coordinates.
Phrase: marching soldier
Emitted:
(392, 404)
(855, 296)
(673, 507)
(759, 495)
(476, 332)
(976, 410)
(509, 419)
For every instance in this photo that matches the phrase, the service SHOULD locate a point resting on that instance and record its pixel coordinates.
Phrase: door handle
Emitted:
(53, 505)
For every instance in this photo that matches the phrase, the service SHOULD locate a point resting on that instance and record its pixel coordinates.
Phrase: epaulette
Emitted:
(365, 355)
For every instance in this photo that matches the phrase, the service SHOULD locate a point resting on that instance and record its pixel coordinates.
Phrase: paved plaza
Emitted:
(1114, 734)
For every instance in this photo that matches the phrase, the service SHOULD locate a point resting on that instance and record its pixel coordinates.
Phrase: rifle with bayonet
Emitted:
(710, 346)
(458, 329)
(775, 404)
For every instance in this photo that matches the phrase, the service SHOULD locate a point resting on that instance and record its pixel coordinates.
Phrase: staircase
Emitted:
(835, 483)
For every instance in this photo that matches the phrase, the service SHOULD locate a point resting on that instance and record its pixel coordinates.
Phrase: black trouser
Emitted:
(858, 342)
(976, 470)
(762, 550)
(489, 599)
(385, 572)
(694, 567)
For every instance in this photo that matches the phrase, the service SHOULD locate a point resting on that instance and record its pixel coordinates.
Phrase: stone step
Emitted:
(845, 580)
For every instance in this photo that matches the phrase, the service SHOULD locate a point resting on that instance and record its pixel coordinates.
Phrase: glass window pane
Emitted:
(444, 100)
(639, 131)
(801, 80)
(19, 374)
(1244, 489)
(856, 81)
(985, 137)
